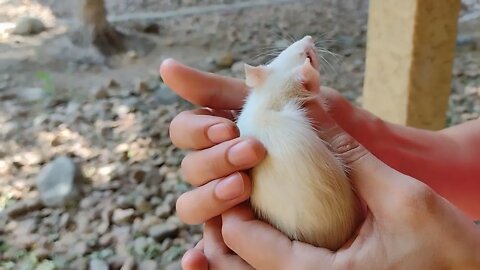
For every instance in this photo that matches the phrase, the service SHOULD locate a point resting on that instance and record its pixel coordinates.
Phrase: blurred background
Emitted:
(88, 175)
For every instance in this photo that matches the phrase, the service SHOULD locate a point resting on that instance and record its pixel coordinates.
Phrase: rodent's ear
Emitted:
(255, 76)
(309, 77)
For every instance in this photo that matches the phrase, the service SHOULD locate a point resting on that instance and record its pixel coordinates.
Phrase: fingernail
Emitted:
(221, 132)
(242, 154)
(230, 187)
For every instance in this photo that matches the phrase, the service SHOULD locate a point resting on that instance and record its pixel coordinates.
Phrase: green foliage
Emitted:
(3, 246)
(6, 200)
(47, 82)
(46, 265)
(174, 252)
(102, 254)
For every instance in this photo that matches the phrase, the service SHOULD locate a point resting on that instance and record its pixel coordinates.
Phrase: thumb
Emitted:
(371, 178)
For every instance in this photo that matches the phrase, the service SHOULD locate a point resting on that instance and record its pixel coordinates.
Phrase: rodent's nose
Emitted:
(308, 39)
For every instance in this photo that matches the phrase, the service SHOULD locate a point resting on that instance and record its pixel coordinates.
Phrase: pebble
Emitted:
(58, 182)
(141, 87)
(141, 205)
(24, 206)
(225, 60)
(148, 265)
(99, 92)
(26, 26)
(162, 231)
(97, 264)
(129, 264)
(138, 176)
(149, 221)
(121, 216)
(139, 245)
(163, 211)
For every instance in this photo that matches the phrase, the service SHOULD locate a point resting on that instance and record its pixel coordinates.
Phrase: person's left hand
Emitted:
(408, 226)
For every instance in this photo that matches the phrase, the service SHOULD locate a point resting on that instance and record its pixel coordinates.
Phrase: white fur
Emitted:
(300, 187)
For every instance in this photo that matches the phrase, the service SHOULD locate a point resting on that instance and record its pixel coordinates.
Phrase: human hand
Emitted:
(214, 167)
(408, 226)
(445, 160)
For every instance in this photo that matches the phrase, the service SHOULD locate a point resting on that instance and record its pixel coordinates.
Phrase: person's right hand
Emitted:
(437, 158)
(219, 156)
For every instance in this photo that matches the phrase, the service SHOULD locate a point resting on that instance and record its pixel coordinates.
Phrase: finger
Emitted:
(352, 119)
(194, 259)
(200, 245)
(221, 160)
(213, 198)
(202, 88)
(214, 244)
(199, 129)
(266, 247)
(371, 178)
(218, 254)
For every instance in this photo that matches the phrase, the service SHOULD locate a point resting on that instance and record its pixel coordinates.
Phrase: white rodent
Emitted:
(301, 187)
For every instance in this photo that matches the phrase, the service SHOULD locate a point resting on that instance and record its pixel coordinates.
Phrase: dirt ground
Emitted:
(111, 117)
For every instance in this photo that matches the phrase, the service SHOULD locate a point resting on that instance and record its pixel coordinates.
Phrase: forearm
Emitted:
(445, 160)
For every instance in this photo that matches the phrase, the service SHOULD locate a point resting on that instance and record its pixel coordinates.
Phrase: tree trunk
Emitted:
(93, 16)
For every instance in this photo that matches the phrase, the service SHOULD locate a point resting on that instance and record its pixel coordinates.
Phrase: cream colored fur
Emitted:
(301, 187)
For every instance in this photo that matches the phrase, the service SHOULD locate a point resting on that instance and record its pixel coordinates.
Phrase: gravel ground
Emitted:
(110, 119)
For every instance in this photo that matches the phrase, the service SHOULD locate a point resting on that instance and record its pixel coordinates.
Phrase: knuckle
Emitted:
(347, 148)
(176, 126)
(347, 263)
(416, 202)
(230, 232)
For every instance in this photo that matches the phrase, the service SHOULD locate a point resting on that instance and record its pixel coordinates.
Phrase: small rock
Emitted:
(64, 220)
(148, 222)
(165, 96)
(174, 266)
(97, 264)
(79, 263)
(79, 249)
(131, 54)
(124, 201)
(42, 253)
(103, 227)
(141, 205)
(129, 264)
(111, 83)
(170, 200)
(238, 67)
(58, 182)
(162, 231)
(140, 245)
(138, 176)
(148, 265)
(155, 201)
(88, 202)
(32, 94)
(225, 60)
(163, 211)
(141, 87)
(99, 92)
(23, 207)
(105, 239)
(26, 26)
(123, 215)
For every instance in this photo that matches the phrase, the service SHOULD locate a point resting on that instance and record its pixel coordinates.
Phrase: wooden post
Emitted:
(410, 51)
